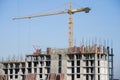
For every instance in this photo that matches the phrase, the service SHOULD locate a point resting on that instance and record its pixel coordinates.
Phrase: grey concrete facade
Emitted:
(86, 65)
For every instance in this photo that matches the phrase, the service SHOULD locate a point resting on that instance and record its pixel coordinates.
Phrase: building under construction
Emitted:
(84, 62)
(77, 63)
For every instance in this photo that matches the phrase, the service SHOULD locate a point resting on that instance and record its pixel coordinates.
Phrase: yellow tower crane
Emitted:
(70, 11)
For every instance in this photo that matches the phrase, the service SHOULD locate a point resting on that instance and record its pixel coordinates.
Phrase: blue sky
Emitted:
(17, 37)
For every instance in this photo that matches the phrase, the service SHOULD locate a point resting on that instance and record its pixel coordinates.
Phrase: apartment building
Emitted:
(76, 63)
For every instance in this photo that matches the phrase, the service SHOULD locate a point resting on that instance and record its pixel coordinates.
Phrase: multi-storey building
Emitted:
(77, 63)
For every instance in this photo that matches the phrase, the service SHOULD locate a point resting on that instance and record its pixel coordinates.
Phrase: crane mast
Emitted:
(70, 28)
(70, 11)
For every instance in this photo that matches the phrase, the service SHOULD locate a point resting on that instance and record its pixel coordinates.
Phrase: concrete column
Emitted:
(43, 68)
(89, 77)
(26, 71)
(32, 58)
(13, 74)
(8, 65)
(26, 66)
(96, 67)
(8, 77)
(54, 63)
(32, 67)
(37, 69)
(81, 70)
(64, 65)
(75, 65)
(89, 63)
(13, 65)
(8, 71)
(37, 77)
(19, 77)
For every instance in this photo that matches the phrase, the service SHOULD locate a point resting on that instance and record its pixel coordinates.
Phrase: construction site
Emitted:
(84, 62)
(76, 63)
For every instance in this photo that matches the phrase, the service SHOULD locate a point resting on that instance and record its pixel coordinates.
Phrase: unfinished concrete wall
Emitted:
(39, 65)
(30, 76)
(1, 69)
(54, 63)
(64, 65)
(78, 65)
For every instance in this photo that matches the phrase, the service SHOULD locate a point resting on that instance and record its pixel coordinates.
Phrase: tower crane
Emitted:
(70, 11)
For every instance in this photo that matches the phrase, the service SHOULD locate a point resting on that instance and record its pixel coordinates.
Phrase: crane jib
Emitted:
(70, 11)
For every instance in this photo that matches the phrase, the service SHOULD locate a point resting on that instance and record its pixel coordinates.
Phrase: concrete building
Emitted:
(76, 63)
